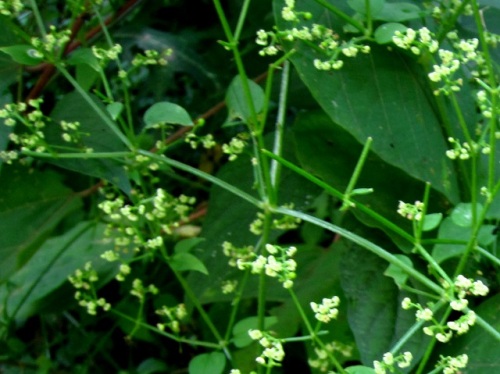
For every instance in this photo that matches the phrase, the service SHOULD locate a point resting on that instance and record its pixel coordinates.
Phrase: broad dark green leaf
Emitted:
(23, 54)
(50, 267)
(165, 112)
(360, 6)
(318, 139)
(186, 261)
(380, 95)
(462, 214)
(374, 312)
(236, 99)
(384, 33)
(451, 231)
(32, 203)
(152, 365)
(398, 12)
(208, 363)
(187, 245)
(73, 108)
(84, 56)
(395, 272)
(431, 221)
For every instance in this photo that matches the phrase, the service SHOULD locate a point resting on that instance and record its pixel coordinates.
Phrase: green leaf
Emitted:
(73, 108)
(152, 365)
(23, 54)
(318, 139)
(187, 245)
(395, 272)
(186, 261)
(208, 363)
(431, 221)
(360, 6)
(462, 214)
(114, 110)
(48, 269)
(165, 112)
(384, 33)
(237, 102)
(32, 204)
(399, 12)
(358, 369)
(375, 313)
(381, 95)
(449, 230)
(84, 56)
(240, 330)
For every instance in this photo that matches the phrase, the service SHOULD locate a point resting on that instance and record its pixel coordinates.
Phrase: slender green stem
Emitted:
(398, 346)
(241, 19)
(38, 18)
(430, 348)
(206, 318)
(235, 305)
(312, 333)
(369, 21)
(355, 175)
(487, 327)
(488, 255)
(210, 178)
(114, 155)
(388, 224)
(166, 334)
(126, 94)
(269, 87)
(104, 116)
(280, 125)
(492, 81)
(372, 247)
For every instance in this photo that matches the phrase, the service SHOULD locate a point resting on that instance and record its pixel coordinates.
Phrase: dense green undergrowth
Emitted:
(249, 186)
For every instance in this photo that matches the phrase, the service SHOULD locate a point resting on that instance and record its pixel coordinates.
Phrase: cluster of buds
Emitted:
(83, 281)
(389, 360)
(413, 212)
(272, 353)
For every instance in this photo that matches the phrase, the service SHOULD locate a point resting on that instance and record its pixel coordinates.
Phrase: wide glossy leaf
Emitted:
(380, 95)
(50, 267)
(451, 231)
(374, 312)
(165, 112)
(360, 6)
(236, 99)
(73, 108)
(186, 261)
(22, 54)
(398, 12)
(384, 33)
(318, 139)
(32, 203)
(208, 363)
